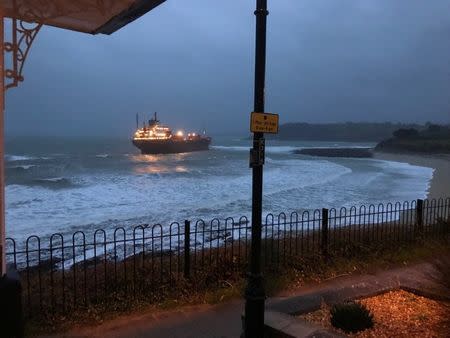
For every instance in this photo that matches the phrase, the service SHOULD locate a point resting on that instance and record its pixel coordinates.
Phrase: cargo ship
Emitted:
(155, 138)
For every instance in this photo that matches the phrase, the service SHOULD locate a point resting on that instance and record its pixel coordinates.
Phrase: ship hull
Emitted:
(171, 146)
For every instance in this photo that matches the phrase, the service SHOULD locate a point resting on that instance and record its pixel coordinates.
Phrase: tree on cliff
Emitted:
(406, 133)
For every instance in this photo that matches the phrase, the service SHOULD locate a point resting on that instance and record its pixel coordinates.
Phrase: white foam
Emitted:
(231, 148)
(53, 179)
(15, 158)
(167, 190)
(334, 146)
(416, 179)
(280, 149)
(269, 149)
(126, 197)
(25, 167)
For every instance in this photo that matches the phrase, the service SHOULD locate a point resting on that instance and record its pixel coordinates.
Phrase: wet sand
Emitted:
(440, 184)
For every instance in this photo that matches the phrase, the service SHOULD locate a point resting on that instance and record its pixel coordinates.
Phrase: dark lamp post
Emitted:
(254, 294)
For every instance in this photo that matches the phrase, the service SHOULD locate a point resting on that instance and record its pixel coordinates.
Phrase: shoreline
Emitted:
(440, 182)
(336, 152)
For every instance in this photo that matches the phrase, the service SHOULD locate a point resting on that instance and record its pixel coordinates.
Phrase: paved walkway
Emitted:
(224, 320)
(203, 321)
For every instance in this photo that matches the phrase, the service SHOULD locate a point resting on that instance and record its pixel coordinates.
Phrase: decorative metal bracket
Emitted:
(23, 35)
(35, 14)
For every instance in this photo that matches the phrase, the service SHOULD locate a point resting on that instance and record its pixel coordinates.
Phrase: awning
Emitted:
(87, 16)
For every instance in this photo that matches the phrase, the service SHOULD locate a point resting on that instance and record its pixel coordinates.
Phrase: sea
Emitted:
(64, 186)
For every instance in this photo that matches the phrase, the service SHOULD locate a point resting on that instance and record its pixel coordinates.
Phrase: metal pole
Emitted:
(2, 151)
(254, 294)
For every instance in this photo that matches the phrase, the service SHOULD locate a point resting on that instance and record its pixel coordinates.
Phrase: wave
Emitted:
(334, 146)
(23, 167)
(102, 155)
(417, 178)
(233, 148)
(269, 149)
(158, 189)
(19, 204)
(17, 158)
(53, 183)
(394, 166)
(280, 149)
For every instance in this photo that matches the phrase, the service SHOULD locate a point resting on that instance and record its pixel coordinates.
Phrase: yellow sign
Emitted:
(264, 123)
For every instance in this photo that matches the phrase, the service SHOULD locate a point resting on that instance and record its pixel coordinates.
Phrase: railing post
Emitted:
(419, 217)
(187, 249)
(324, 242)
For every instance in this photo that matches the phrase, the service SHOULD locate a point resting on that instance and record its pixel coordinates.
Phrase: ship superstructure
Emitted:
(155, 138)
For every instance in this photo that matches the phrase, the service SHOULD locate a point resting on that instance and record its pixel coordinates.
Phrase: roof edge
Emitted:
(134, 12)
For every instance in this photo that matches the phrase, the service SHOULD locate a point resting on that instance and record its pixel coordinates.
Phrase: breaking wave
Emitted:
(269, 149)
(53, 183)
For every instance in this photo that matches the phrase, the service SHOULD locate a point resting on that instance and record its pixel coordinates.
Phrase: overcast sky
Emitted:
(192, 61)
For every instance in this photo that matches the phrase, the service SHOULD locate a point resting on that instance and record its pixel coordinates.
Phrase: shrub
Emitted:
(351, 317)
(406, 133)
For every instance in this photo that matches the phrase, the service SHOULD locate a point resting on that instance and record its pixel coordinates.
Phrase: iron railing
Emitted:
(60, 273)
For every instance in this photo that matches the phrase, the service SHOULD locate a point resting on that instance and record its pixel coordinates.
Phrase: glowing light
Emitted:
(158, 132)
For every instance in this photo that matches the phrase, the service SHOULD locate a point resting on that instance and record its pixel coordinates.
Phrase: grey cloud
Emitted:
(192, 61)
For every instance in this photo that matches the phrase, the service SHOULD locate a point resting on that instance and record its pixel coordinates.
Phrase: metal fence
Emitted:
(61, 273)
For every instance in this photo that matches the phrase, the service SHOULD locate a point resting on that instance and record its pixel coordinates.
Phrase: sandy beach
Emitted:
(440, 184)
